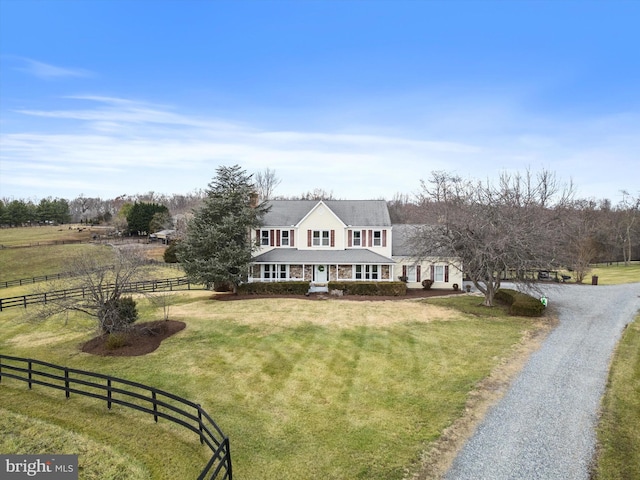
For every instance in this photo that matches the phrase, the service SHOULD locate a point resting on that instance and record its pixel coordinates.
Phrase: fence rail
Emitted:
(113, 390)
(58, 276)
(134, 287)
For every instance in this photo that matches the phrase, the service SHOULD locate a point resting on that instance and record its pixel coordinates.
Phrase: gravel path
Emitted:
(543, 428)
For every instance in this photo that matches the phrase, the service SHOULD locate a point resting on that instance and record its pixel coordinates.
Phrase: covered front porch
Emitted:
(321, 267)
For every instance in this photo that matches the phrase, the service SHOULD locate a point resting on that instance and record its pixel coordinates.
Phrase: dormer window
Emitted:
(264, 238)
(284, 238)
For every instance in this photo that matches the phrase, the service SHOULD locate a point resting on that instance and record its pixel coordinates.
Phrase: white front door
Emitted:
(321, 274)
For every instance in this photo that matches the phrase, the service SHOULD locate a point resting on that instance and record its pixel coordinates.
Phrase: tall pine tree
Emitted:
(217, 248)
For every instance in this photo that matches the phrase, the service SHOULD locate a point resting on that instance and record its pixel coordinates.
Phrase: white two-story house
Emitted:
(325, 240)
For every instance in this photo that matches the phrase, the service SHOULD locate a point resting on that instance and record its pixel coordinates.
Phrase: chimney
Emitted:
(253, 200)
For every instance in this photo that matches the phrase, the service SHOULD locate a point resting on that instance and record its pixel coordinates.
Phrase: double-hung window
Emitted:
(264, 237)
(321, 238)
(377, 238)
(284, 238)
(357, 238)
(438, 273)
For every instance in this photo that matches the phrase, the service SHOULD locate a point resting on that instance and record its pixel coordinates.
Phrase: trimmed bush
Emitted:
(521, 304)
(426, 284)
(370, 288)
(116, 315)
(274, 288)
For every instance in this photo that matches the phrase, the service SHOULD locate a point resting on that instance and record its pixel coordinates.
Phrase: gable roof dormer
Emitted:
(290, 213)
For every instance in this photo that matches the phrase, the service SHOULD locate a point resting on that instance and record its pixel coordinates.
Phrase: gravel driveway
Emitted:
(543, 428)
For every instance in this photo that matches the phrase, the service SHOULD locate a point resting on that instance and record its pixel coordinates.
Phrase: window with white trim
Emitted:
(264, 237)
(284, 238)
(366, 272)
(411, 273)
(438, 273)
(377, 238)
(274, 272)
(321, 238)
(357, 238)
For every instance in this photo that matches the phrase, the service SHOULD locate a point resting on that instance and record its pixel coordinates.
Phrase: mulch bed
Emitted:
(412, 293)
(143, 338)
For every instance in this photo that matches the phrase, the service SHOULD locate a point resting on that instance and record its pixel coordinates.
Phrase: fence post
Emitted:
(200, 424)
(66, 382)
(155, 406)
(29, 367)
(24, 301)
(109, 393)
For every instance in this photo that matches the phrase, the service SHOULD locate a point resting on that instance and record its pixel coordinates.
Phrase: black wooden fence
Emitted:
(134, 287)
(58, 276)
(134, 395)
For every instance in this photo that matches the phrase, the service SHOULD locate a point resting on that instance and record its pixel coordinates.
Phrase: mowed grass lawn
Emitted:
(618, 433)
(304, 389)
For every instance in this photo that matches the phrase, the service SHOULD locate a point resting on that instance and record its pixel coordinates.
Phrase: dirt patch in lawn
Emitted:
(143, 338)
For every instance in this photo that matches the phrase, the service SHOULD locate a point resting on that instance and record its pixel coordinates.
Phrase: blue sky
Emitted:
(360, 98)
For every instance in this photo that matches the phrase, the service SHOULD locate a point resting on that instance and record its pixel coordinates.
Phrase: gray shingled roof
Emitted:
(358, 213)
(400, 236)
(293, 255)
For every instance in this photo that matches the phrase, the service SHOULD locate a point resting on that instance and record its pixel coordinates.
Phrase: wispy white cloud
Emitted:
(46, 70)
(116, 144)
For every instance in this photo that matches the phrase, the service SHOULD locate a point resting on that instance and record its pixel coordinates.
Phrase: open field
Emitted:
(615, 274)
(618, 434)
(304, 389)
(10, 237)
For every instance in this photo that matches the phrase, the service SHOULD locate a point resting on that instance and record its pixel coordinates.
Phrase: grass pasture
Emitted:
(304, 389)
(618, 435)
(615, 274)
(17, 236)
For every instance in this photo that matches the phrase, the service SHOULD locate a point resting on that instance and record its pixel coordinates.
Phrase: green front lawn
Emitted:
(304, 389)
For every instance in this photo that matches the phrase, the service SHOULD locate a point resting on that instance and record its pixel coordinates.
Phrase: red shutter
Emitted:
(333, 238)
(308, 238)
(432, 272)
(404, 270)
(291, 237)
(370, 237)
(350, 238)
(446, 273)
(363, 240)
(418, 279)
(272, 238)
(258, 238)
(384, 238)
(277, 238)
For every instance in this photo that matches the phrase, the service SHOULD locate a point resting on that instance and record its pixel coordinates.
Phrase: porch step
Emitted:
(318, 288)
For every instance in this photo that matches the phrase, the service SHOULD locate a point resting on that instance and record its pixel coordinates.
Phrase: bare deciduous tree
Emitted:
(629, 209)
(265, 182)
(107, 293)
(514, 225)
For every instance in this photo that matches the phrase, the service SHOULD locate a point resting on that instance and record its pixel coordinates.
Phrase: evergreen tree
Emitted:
(141, 214)
(217, 248)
